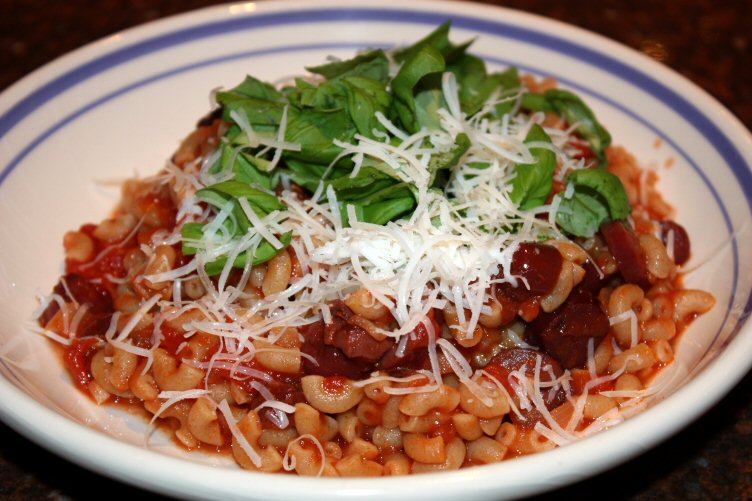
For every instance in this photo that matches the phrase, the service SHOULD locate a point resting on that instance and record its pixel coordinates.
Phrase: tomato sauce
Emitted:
(77, 358)
(172, 339)
(443, 428)
(335, 385)
(580, 378)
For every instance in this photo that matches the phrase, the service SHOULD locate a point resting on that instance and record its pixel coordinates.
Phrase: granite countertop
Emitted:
(708, 42)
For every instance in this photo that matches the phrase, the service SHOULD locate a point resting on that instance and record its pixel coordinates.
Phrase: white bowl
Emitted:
(121, 105)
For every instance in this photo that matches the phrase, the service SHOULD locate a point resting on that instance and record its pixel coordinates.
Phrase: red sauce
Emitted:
(144, 236)
(643, 225)
(583, 148)
(335, 385)
(498, 372)
(77, 359)
(443, 428)
(109, 260)
(509, 308)
(580, 378)
(308, 445)
(386, 453)
(160, 205)
(171, 341)
(529, 309)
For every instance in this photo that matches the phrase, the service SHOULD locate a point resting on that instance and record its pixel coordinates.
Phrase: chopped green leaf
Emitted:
(450, 158)
(315, 131)
(608, 185)
(536, 102)
(582, 214)
(191, 231)
(253, 87)
(388, 210)
(236, 189)
(263, 115)
(533, 183)
(574, 110)
(264, 252)
(243, 165)
(425, 61)
(378, 213)
(598, 196)
(571, 108)
(372, 65)
(437, 39)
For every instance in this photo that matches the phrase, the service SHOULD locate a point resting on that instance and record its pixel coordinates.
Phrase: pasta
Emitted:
(384, 268)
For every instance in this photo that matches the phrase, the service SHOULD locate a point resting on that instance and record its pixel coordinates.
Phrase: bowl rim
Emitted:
(58, 433)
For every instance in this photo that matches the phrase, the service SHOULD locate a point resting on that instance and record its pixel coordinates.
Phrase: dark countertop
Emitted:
(708, 42)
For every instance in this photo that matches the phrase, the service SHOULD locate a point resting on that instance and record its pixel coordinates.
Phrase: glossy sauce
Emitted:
(77, 358)
(335, 385)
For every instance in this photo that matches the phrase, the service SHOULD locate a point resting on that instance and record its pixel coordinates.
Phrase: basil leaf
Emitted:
(536, 102)
(243, 165)
(263, 115)
(509, 82)
(533, 183)
(574, 110)
(426, 61)
(308, 175)
(598, 196)
(509, 79)
(255, 88)
(399, 190)
(388, 210)
(191, 231)
(368, 180)
(212, 197)
(438, 39)
(372, 64)
(582, 214)
(315, 131)
(378, 213)
(264, 252)
(606, 184)
(475, 85)
(448, 159)
(219, 200)
(363, 101)
(261, 199)
(428, 102)
(195, 231)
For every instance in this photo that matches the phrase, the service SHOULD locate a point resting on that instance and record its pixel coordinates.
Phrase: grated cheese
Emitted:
(172, 397)
(224, 407)
(288, 461)
(630, 316)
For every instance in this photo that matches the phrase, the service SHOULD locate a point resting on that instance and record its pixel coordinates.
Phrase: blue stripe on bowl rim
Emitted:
(725, 148)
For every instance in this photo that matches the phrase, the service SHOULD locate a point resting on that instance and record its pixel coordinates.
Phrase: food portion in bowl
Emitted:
(399, 263)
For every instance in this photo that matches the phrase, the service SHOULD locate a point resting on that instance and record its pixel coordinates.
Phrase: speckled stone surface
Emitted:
(708, 42)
